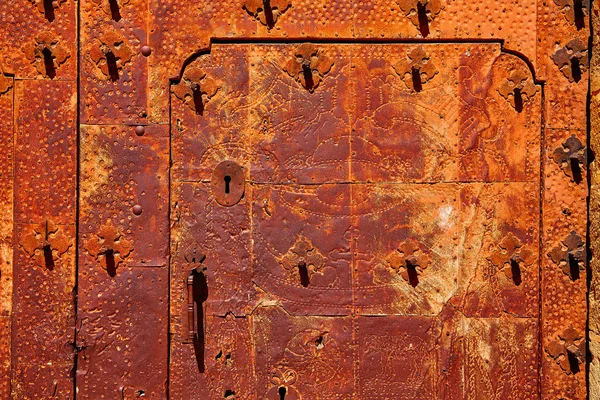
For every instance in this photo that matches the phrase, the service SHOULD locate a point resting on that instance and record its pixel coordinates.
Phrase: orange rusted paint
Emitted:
(290, 199)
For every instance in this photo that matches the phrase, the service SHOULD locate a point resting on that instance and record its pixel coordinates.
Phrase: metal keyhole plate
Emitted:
(227, 183)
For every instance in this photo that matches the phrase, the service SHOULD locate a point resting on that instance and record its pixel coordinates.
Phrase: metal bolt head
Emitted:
(146, 51)
(137, 209)
(140, 130)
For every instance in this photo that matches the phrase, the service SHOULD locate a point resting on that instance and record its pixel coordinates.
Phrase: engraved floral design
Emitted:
(267, 12)
(309, 65)
(196, 88)
(510, 256)
(302, 261)
(568, 350)
(570, 255)
(572, 151)
(416, 64)
(109, 247)
(45, 244)
(409, 260)
(572, 59)
(111, 54)
(47, 49)
(518, 88)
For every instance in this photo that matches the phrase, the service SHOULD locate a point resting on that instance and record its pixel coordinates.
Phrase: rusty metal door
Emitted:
(355, 220)
(275, 199)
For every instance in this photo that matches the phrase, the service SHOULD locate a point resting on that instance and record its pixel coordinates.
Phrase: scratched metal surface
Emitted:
(264, 199)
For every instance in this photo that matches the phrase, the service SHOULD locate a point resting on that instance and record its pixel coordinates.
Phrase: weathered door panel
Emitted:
(123, 295)
(391, 197)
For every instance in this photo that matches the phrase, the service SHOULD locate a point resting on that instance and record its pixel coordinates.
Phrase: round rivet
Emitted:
(137, 209)
(146, 51)
(139, 130)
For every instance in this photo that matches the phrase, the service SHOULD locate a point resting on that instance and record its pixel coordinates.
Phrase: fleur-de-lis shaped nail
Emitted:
(309, 65)
(518, 88)
(416, 69)
(409, 261)
(47, 7)
(576, 11)
(572, 60)
(109, 247)
(267, 12)
(302, 261)
(45, 243)
(421, 12)
(47, 54)
(196, 89)
(571, 157)
(510, 257)
(570, 255)
(111, 53)
(568, 350)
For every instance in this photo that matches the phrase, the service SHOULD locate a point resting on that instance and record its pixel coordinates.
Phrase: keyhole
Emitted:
(49, 63)
(227, 180)
(282, 392)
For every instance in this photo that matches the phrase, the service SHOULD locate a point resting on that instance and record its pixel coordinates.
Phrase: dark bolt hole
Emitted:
(140, 393)
(227, 180)
(516, 272)
(518, 100)
(578, 14)
(49, 261)
(200, 288)
(111, 267)
(413, 277)
(114, 10)
(423, 20)
(198, 103)
(111, 63)
(416, 79)
(282, 392)
(229, 394)
(269, 18)
(573, 361)
(576, 170)
(49, 10)
(49, 63)
(308, 77)
(575, 69)
(573, 267)
(303, 271)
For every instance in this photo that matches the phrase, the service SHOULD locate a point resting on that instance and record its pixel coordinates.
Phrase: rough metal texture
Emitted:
(263, 199)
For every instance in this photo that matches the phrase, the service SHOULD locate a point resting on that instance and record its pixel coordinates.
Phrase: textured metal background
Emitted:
(413, 222)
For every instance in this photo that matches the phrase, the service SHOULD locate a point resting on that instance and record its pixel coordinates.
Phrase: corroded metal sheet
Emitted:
(6, 228)
(376, 202)
(43, 312)
(123, 252)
